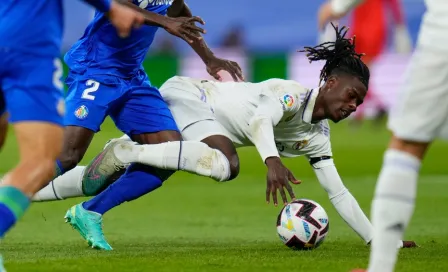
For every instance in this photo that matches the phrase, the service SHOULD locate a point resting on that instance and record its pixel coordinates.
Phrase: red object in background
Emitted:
(369, 24)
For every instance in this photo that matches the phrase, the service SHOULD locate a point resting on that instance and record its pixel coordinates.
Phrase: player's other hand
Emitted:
(326, 15)
(278, 178)
(124, 18)
(214, 65)
(185, 28)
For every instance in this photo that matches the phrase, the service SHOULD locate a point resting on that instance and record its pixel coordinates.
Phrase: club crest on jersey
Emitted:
(145, 3)
(287, 100)
(81, 112)
(300, 144)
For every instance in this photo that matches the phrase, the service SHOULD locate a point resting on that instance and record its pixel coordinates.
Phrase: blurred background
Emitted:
(264, 38)
(195, 224)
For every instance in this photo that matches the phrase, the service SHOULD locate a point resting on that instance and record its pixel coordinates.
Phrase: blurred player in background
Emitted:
(30, 78)
(369, 23)
(279, 117)
(419, 117)
(107, 78)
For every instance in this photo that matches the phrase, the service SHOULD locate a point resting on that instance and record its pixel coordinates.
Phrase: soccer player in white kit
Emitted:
(279, 117)
(420, 116)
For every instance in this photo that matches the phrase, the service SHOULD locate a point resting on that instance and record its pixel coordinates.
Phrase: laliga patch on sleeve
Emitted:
(287, 101)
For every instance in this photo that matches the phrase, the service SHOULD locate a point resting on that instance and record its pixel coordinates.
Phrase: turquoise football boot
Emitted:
(89, 225)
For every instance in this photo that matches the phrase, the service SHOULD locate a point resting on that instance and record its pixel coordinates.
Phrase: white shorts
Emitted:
(191, 111)
(421, 110)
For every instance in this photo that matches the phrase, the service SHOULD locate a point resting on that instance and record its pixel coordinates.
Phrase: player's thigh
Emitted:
(187, 103)
(145, 112)
(33, 89)
(422, 104)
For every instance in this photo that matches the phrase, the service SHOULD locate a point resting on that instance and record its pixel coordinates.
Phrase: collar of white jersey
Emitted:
(310, 102)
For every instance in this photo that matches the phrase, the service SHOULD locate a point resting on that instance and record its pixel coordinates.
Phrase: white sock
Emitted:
(190, 156)
(392, 207)
(66, 186)
(348, 208)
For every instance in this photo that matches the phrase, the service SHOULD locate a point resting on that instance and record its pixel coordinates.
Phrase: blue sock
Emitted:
(137, 181)
(59, 169)
(13, 204)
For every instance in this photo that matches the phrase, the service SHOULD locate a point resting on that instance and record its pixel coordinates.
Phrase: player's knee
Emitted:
(234, 163)
(70, 158)
(416, 149)
(226, 167)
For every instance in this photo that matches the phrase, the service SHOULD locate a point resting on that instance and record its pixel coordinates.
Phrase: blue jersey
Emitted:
(31, 26)
(100, 51)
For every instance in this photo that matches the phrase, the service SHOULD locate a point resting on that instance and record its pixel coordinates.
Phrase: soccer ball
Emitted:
(302, 224)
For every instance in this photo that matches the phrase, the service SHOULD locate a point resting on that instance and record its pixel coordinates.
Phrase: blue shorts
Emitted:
(134, 105)
(32, 87)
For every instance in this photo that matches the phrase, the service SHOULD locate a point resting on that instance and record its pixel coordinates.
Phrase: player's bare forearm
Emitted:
(180, 9)
(197, 42)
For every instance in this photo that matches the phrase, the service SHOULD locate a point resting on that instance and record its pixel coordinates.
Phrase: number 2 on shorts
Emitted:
(92, 87)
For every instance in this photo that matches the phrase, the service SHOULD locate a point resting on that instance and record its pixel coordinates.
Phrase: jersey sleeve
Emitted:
(266, 116)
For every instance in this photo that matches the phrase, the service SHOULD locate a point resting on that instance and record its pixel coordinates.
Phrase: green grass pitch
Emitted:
(196, 224)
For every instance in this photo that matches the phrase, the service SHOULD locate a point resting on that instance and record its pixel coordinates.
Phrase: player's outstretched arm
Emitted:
(213, 63)
(182, 27)
(268, 114)
(344, 202)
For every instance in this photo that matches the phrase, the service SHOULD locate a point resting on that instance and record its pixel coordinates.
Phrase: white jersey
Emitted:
(235, 105)
(434, 24)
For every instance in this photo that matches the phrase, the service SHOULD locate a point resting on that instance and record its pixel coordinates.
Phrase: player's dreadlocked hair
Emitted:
(340, 56)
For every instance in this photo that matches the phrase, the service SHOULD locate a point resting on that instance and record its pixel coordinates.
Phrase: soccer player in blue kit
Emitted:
(30, 72)
(107, 78)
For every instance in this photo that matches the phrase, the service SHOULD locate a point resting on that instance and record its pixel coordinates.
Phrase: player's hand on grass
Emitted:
(124, 18)
(214, 65)
(278, 178)
(185, 28)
